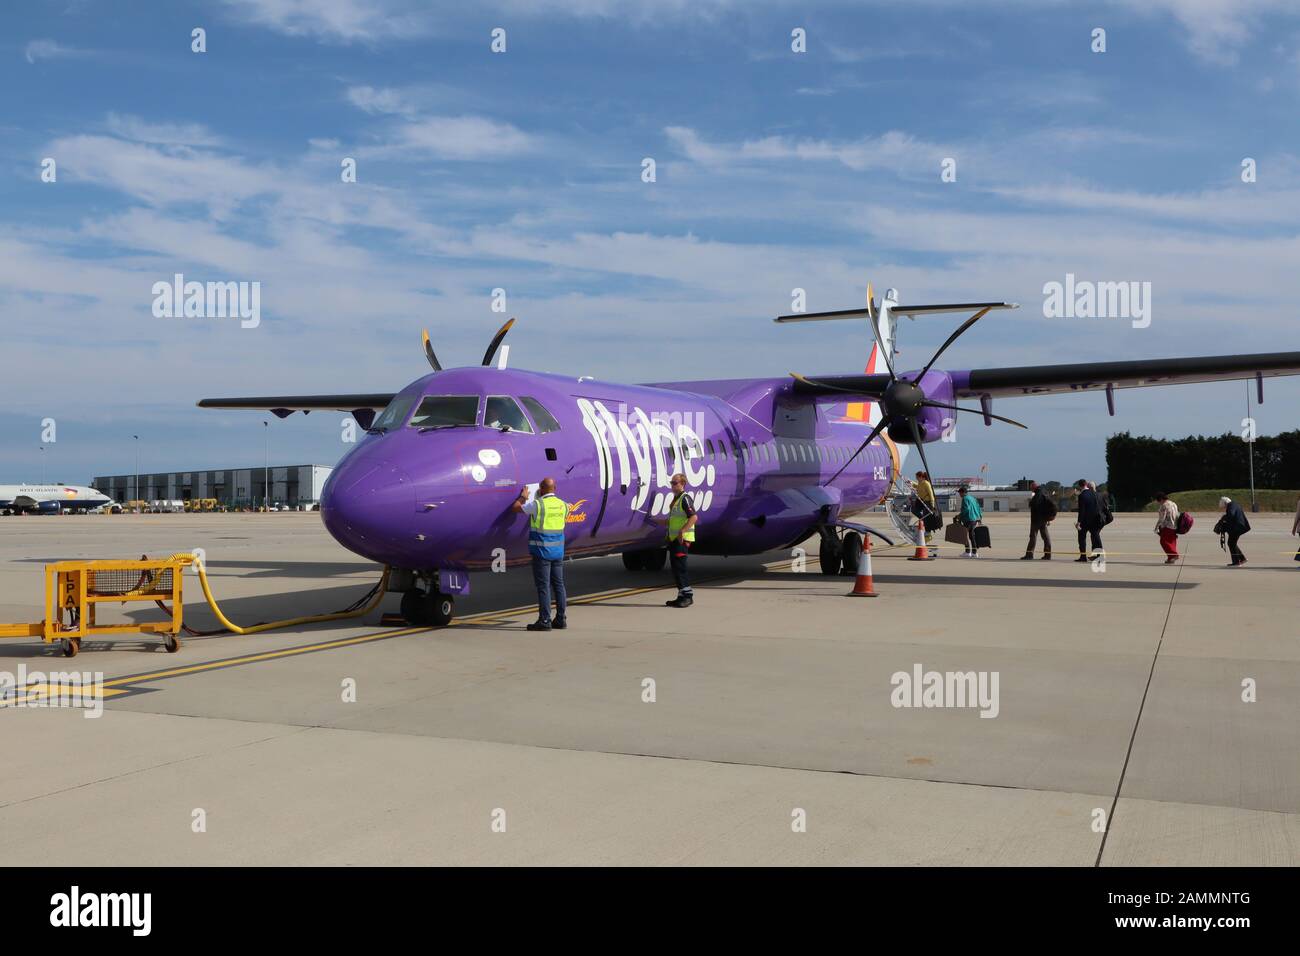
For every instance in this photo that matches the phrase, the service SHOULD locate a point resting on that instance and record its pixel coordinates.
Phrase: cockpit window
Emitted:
(393, 413)
(445, 411)
(503, 413)
(545, 420)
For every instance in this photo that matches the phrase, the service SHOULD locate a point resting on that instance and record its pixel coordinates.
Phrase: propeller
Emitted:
(428, 351)
(487, 356)
(496, 341)
(901, 400)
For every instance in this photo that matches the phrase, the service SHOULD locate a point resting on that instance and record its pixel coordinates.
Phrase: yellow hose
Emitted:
(187, 558)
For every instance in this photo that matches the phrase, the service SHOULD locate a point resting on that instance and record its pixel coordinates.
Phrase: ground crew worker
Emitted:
(681, 535)
(546, 520)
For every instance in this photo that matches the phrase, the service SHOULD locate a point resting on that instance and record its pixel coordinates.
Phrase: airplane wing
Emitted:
(1057, 379)
(283, 406)
(1139, 373)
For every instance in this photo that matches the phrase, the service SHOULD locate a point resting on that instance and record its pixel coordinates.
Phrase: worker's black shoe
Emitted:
(682, 600)
(1081, 560)
(1046, 557)
(559, 624)
(1028, 557)
(539, 626)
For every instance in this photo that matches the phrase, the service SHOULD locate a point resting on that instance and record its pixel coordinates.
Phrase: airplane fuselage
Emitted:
(756, 459)
(50, 499)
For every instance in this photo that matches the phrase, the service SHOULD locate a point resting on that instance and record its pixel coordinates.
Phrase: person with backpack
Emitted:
(1233, 524)
(1167, 526)
(1090, 521)
(1042, 511)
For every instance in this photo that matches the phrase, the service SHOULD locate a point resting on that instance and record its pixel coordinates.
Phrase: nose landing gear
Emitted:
(428, 608)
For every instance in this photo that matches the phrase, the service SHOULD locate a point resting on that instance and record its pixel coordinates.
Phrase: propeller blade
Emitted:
(920, 445)
(880, 427)
(496, 342)
(975, 411)
(952, 338)
(428, 351)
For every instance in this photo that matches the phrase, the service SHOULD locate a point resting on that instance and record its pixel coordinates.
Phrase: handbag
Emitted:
(955, 534)
(933, 521)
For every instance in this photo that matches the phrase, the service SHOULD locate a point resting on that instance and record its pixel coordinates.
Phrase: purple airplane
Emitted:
(770, 462)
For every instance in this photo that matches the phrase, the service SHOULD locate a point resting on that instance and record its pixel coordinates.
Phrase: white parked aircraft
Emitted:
(50, 499)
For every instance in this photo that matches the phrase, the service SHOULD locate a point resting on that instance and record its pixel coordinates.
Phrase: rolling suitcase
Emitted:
(981, 537)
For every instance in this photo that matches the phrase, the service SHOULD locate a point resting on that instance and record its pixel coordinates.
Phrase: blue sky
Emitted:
(521, 170)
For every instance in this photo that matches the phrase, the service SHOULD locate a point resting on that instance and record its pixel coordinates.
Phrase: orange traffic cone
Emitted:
(922, 552)
(862, 586)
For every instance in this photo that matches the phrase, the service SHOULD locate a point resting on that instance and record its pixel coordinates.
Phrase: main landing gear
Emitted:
(652, 560)
(428, 608)
(839, 556)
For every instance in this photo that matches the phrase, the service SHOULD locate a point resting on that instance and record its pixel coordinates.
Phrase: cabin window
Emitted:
(504, 414)
(395, 411)
(544, 420)
(708, 447)
(784, 450)
(446, 411)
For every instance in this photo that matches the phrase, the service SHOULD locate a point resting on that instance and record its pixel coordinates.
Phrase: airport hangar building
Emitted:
(234, 487)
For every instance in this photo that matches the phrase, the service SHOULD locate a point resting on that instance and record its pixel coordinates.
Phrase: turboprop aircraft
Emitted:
(769, 462)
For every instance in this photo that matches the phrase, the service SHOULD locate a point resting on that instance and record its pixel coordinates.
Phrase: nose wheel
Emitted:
(428, 609)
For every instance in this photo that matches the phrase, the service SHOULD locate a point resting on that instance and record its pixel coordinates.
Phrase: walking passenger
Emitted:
(1234, 525)
(970, 517)
(1089, 522)
(1167, 527)
(1042, 512)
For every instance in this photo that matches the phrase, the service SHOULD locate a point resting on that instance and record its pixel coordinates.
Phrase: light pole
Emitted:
(135, 481)
(1254, 505)
(266, 467)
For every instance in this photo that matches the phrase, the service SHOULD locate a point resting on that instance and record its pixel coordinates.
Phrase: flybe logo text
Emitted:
(75, 908)
(646, 450)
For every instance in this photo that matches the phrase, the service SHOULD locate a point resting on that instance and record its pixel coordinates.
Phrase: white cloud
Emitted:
(336, 20)
(456, 137)
(385, 100)
(167, 134)
(48, 50)
(891, 150)
(1216, 30)
(163, 175)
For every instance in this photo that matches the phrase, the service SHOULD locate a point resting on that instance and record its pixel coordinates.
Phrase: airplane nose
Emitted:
(367, 504)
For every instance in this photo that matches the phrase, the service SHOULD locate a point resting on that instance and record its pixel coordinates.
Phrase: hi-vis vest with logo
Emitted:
(546, 528)
(677, 519)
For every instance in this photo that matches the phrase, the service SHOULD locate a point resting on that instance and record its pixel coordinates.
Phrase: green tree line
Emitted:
(1138, 466)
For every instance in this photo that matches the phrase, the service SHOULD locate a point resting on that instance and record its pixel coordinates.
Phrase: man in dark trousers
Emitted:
(681, 535)
(1089, 521)
(1042, 510)
(547, 515)
(1234, 525)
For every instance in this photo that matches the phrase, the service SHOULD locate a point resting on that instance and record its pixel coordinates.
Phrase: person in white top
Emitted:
(1167, 527)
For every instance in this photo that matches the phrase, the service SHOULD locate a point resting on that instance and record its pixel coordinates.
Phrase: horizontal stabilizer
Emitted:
(915, 310)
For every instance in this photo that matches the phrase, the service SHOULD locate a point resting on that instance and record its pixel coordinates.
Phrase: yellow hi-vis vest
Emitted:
(546, 528)
(677, 519)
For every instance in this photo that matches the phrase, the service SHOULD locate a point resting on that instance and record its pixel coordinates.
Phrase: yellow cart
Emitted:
(75, 589)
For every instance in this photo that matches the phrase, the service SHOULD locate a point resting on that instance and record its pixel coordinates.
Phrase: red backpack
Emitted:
(1185, 522)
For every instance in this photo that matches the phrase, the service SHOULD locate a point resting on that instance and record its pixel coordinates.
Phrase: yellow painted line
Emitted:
(41, 692)
(485, 617)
